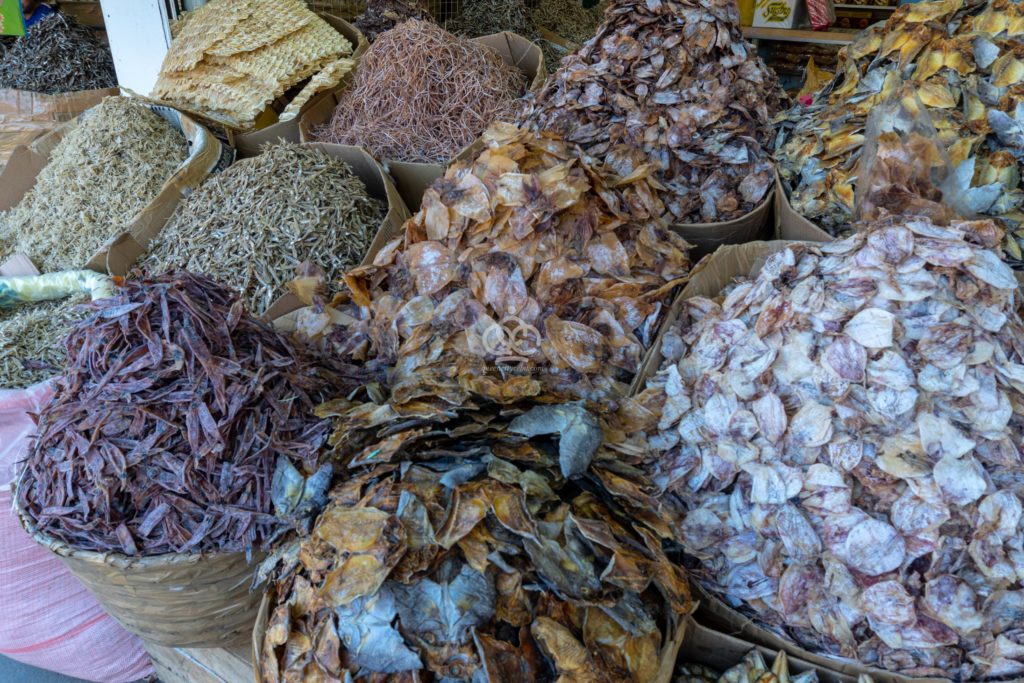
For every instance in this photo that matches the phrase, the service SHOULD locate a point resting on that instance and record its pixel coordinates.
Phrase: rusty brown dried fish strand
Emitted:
(58, 55)
(844, 431)
(675, 81)
(383, 15)
(462, 510)
(422, 95)
(98, 177)
(166, 426)
(252, 225)
(33, 334)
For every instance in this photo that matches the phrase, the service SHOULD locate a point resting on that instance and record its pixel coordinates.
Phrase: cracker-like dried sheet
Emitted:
(271, 22)
(329, 77)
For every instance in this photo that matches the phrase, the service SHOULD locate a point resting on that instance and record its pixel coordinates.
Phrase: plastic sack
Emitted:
(50, 620)
(14, 290)
(904, 169)
(821, 13)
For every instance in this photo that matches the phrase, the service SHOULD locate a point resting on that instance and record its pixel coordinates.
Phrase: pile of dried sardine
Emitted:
(422, 94)
(469, 544)
(173, 410)
(964, 61)
(31, 340)
(98, 177)
(844, 432)
(526, 271)
(252, 225)
(569, 20)
(751, 669)
(483, 17)
(57, 55)
(383, 15)
(676, 81)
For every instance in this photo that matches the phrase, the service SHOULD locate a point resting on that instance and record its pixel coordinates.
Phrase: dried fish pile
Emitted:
(568, 20)
(383, 15)
(525, 272)
(963, 61)
(229, 59)
(252, 225)
(751, 669)
(166, 426)
(98, 177)
(484, 17)
(844, 433)
(57, 55)
(676, 81)
(470, 544)
(422, 95)
(31, 335)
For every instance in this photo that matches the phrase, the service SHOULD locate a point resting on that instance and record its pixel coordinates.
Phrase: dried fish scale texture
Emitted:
(527, 271)
(252, 225)
(98, 177)
(57, 55)
(675, 81)
(383, 15)
(173, 407)
(964, 62)
(422, 94)
(454, 549)
(843, 432)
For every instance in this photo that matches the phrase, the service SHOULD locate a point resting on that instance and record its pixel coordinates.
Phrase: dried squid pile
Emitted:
(527, 271)
(473, 544)
(676, 81)
(174, 412)
(965, 64)
(844, 431)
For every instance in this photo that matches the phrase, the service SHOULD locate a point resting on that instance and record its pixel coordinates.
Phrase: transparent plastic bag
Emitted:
(15, 290)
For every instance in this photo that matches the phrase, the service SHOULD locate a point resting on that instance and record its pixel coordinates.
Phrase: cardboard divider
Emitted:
(413, 178)
(206, 155)
(790, 225)
(379, 186)
(707, 237)
(24, 115)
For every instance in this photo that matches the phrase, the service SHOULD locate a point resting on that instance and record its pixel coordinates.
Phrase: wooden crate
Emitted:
(202, 665)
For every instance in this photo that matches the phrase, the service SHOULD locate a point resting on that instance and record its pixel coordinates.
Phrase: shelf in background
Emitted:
(794, 35)
(887, 8)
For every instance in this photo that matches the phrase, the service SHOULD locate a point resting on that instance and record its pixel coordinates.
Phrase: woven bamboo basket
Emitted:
(190, 600)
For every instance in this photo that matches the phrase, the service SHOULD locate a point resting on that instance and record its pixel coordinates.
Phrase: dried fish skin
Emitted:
(872, 522)
(675, 81)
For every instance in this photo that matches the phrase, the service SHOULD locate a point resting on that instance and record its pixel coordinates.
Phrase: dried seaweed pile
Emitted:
(166, 427)
(676, 81)
(31, 336)
(98, 177)
(383, 15)
(229, 59)
(57, 55)
(963, 61)
(526, 272)
(470, 544)
(844, 431)
(252, 225)
(752, 668)
(421, 94)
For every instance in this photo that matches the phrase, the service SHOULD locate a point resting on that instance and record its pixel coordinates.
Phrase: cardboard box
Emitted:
(414, 178)
(779, 13)
(24, 115)
(790, 225)
(206, 155)
(707, 237)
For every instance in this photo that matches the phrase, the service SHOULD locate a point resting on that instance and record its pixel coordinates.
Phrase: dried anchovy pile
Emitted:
(844, 432)
(484, 17)
(98, 177)
(252, 225)
(422, 95)
(751, 669)
(166, 425)
(474, 544)
(383, 15)
(31, 336)
(676, 81)
(525, 272)
(57, 55)
(569, 20)
(963, 61)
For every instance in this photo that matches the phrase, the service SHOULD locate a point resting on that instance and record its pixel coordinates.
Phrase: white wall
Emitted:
(139, 37)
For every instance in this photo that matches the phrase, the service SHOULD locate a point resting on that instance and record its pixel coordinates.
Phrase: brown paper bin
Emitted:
(190, 600)
(707, 237)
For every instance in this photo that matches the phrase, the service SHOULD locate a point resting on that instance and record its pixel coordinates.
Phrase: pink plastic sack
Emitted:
(47, 618)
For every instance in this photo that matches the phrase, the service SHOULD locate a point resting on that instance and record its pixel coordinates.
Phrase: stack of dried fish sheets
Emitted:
(527, 271)
(422, 94)
(109, 167)
(57, 55)
(963, 61)
(844, 433)
(173, 412)
(31, 340)
(383, 15)
(231, 58)
(676, 81)
(251, 226)
(470, 544)
(751, 669)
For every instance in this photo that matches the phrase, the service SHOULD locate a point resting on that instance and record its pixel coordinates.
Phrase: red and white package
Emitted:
(821, 13)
